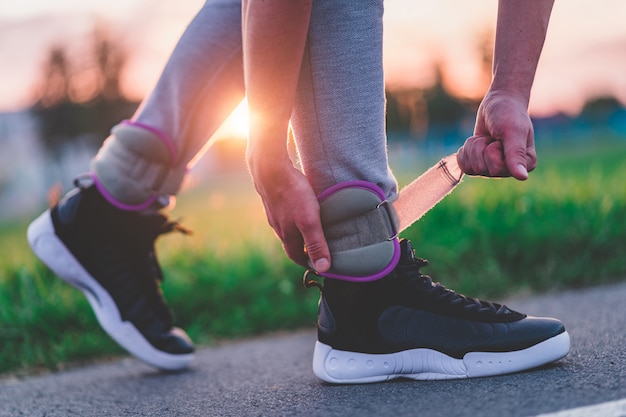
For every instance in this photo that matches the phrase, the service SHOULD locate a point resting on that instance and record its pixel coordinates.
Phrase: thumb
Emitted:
(317, 249)
(516, 159)
(519, 170)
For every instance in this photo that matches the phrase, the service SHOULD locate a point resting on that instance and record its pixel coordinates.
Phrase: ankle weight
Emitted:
(360, 228)
(135, 166)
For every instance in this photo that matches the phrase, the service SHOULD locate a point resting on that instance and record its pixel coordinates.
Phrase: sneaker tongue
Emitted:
(411, 268)
(406, 251)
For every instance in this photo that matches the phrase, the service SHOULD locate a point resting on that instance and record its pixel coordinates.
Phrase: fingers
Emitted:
(481, 155)
(317, 248)
(293, 211)
(471, 156)
(485, 156)
(503, 142)
(310, 241)
(296, 221)
(306, 241)
(293, 245)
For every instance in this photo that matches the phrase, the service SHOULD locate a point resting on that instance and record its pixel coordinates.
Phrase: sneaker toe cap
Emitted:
(176, 341)
(532, 330)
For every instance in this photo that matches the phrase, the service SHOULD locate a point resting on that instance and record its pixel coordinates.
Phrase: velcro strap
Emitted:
(360, 228)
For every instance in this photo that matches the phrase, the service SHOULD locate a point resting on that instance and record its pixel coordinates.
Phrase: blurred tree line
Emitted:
(80, 100)
(431, 112)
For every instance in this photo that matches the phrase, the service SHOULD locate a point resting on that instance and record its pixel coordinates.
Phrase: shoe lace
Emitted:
(146, 230)
(441, 294)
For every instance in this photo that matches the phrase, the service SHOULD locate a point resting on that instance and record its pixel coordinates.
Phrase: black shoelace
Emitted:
(440, 293)
(146, 230)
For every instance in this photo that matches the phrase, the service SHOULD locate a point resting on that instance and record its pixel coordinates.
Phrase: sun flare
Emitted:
(236, 126)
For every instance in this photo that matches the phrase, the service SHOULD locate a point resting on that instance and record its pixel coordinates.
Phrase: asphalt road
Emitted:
(271, 376)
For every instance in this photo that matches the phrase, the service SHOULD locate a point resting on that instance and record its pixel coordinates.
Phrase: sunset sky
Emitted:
(584, 56)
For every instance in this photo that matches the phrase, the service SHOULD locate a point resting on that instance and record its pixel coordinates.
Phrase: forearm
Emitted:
(274, 36)
(520, 35)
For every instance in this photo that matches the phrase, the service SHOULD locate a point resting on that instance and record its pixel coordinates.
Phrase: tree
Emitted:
(420, 111)
(599, 110)
(56, 88)
(80, 101)
(406, 112)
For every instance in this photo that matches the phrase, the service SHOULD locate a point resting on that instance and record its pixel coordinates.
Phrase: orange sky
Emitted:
(585, 53)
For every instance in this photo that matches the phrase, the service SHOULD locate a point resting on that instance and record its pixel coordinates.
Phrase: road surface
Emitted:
(271, 376)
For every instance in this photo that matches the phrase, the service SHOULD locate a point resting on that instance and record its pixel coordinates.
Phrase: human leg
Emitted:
(373, 328)
(339, 126)
(199, 87)
(100, 237)
(339, 114)
(407, 326)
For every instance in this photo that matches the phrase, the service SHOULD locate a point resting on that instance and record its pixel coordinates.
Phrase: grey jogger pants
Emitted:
(339, 114)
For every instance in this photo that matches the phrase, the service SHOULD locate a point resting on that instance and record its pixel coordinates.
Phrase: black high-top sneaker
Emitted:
(404, 325)
(109, 255)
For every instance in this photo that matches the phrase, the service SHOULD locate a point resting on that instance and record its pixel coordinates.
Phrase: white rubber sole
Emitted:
(342, 367)
(49, 248)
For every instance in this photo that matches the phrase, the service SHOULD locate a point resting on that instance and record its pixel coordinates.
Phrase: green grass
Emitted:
(563, 228)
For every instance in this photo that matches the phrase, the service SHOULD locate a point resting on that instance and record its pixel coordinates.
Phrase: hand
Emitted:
(503, 143)
(293, 211)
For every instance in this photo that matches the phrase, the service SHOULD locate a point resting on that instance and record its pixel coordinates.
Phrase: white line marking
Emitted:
(608, 409)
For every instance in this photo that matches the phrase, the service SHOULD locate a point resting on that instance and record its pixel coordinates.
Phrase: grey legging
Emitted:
(338, 118)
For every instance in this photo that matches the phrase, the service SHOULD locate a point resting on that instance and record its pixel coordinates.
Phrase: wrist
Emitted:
(499, 93)
(267, 165)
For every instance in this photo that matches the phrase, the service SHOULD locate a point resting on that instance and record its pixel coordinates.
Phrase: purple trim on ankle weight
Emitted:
(127, 207)
(166, 140)
(369, 186)
(386, 271)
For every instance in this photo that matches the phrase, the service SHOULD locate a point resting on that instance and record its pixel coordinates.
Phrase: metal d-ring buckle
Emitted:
(309, 283)
(394, 232)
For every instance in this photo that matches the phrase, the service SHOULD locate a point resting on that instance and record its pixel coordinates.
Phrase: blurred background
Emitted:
(71, 69)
